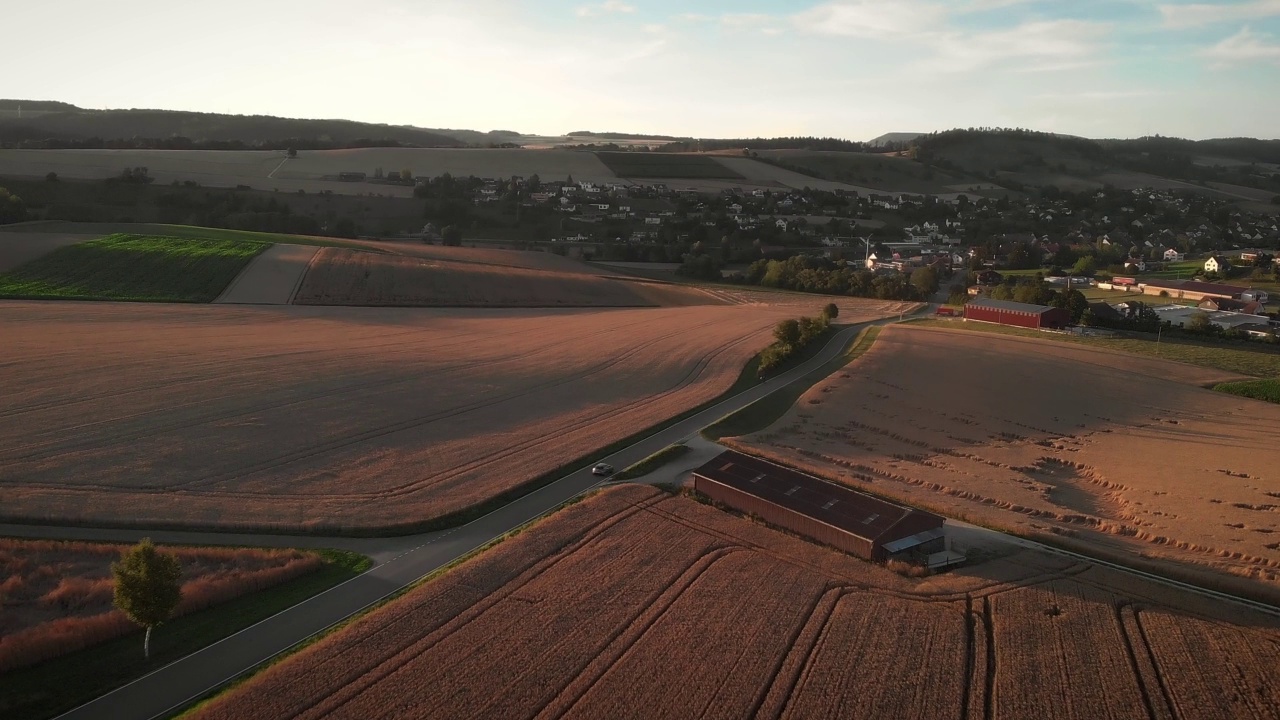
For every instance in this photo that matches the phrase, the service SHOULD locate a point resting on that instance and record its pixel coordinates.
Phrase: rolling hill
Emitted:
(69, 126)
(1023, 158)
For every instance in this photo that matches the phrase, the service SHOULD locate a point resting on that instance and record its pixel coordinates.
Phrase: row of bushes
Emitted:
(792, 336)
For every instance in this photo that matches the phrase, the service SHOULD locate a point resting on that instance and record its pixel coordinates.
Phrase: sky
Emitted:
(747, 68)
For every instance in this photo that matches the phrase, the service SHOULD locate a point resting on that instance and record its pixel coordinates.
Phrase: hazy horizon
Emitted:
(852, 69)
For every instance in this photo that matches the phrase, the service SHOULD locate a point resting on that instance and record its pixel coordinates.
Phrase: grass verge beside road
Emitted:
(1254, 359)
(60, 684)
(653, 462)
(763, 412)
(133, 267)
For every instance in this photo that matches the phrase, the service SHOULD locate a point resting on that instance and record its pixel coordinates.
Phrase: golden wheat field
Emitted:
(1129, 455)
(639, 603)
(330, 419)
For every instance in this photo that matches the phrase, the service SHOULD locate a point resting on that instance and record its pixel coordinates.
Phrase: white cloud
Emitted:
(871, 18)
(1098, 95)
(984, 5)
(1034, 46)
(1245, 46)
(604, 8)
(743, 22)
(1196, 14)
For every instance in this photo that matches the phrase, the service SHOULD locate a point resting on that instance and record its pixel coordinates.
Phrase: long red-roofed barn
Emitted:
(1007, 312)
(824, 511)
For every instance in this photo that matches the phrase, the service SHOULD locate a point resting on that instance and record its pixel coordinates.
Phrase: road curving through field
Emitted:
(401, 562)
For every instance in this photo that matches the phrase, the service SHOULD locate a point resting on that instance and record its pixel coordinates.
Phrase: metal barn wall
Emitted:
(784, 518)
(1055, 318)
(1003, 317)
(913, 524)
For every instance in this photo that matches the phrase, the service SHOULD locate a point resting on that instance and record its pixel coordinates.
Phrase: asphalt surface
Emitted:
(400, 562)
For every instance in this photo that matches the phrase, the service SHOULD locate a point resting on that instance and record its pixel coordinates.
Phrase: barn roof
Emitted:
(1008, 305)
(1195, 286)
(836, 505)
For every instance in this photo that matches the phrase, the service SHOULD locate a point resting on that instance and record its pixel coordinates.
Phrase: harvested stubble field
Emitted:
(20, 248)
(334, 419)
(1125, 455)
(266, 170)
(637, 603)
(57, 596)
(133, 267)
(667, 166)
(339, 276)
(529, 259)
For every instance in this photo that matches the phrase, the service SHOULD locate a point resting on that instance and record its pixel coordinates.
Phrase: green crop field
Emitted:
(133, 267)
(1268, 390)
(666, 165)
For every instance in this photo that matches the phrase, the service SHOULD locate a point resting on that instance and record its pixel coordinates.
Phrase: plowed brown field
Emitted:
(339, 276)
(635, 603)
(295, 418)
(1128, 455)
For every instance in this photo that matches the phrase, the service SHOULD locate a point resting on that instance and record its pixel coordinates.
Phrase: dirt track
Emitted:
(272, 278)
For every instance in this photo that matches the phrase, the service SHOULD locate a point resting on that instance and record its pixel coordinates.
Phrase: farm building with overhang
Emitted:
(1006, 312)
(827, 512)
(1198, 291)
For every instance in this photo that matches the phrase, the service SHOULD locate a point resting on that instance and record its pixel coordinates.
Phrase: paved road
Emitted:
(401, 561)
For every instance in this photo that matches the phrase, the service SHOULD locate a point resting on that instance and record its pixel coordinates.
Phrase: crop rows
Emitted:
(1061, 653)
(885, 657)
(637, 603)
(1208, 669)
(133, 267)
(748, 628)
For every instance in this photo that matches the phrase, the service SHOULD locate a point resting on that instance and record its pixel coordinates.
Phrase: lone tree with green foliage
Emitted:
(148, 587)
(831, 311)
(787, 333)
(925, 280)
(451, 235)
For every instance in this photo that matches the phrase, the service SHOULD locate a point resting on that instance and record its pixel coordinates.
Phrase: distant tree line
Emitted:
(166, 129)
(12, 138)
(807, 273)
(778, 143)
